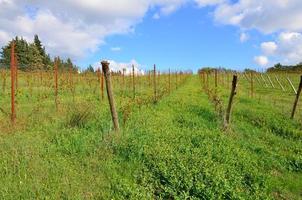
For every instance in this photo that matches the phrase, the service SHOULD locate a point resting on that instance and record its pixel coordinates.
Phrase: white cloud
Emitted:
(203, 3)
(283, 17)
(286, 49)
(269, 48)
(75, 28)
(267, 16)
(115, 49)
(261, 60)
(119, 66)
(244, 37)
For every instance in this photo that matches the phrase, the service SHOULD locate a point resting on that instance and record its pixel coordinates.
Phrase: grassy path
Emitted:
(172, 150)
(177, 150)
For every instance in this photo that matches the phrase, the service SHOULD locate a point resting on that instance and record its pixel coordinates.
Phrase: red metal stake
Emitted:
(12, 74)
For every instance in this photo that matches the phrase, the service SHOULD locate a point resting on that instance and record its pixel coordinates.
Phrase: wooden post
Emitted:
(283, 89)
(291, 84)
(133, 81)
(106, 71)
(13, 73)
(269, 78)
(264, 80)
(102, 84)
(100, 80)
(154, 84)
(257, 79)
(245, 76)
(297, 99)
(229, 108)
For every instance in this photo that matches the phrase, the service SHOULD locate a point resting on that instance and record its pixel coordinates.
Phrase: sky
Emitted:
(176, 34)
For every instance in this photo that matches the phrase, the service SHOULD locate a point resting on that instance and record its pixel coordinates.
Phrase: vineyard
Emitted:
(178, 135)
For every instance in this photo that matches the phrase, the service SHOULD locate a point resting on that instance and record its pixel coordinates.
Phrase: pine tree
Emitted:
(31, 56)
(46, 58)
(35, 58)
(5, 55)
(90, 69)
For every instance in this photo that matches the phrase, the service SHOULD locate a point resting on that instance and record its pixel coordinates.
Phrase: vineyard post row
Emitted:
(57, 82)
(204, 76)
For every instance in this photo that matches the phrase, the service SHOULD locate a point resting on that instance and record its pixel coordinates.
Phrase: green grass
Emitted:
(174, 149)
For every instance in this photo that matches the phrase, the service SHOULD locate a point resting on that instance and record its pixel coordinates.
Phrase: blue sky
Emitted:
(176, 34)
(186, 39)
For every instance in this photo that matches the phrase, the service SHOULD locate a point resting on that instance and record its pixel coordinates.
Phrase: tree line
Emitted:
(285, 68)
(32, 56)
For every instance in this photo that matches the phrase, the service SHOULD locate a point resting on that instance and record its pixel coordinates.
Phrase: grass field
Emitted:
(173, 149)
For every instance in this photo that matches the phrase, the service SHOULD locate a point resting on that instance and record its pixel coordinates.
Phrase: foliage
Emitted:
(174, 149)
(31, 56)
(286, 68)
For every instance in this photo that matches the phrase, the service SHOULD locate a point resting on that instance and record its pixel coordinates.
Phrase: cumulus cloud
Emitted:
(263, 15)
(261, 60)
(119, 66)
(75, 28)
(269, 48)
(203, 3)
(283, 17)
(286, 49)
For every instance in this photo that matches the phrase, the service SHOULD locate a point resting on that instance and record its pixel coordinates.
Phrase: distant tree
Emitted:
(285, 68)
(35, 58)
(21, 51)
(89, 69)
(247, 70)
(31, 56)
(46, 58)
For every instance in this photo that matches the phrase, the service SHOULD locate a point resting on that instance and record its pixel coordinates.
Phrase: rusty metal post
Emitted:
(16, 72)
(13, 73)
(106, 71)
(297, 99)
(56, 82)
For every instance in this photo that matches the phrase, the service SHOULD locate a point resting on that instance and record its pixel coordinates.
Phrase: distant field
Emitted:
(175, 148)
